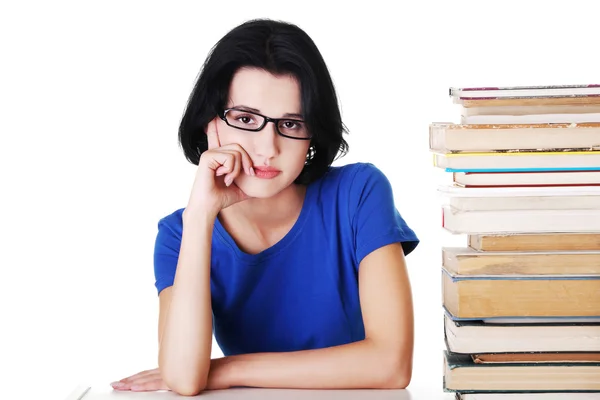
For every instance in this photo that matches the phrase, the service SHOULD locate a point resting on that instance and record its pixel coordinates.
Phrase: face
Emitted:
(272, 96)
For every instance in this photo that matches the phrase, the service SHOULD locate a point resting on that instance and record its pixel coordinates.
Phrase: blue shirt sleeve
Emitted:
(374, 218)
(166, 252)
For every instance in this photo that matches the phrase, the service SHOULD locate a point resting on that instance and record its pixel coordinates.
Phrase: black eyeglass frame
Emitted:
(266, 119)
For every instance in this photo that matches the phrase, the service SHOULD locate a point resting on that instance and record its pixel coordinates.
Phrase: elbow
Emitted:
(398, 373)
(185, 387)
(183, 383)
(188, 390)
(398, 380)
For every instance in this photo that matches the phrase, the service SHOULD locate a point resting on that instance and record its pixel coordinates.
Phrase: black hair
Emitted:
(279, 48)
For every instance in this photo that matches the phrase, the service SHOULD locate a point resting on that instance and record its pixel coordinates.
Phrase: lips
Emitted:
(266, 172)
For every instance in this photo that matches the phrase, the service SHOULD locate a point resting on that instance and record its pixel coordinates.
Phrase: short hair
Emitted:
(279, 48)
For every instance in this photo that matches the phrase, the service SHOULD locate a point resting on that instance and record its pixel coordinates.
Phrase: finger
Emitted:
(236, 168)
(221, 162)
(221, 171)
(212, 135)
(136, 376)
(246, 160)
(149, 385)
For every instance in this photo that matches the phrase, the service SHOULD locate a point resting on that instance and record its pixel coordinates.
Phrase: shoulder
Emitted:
(353, 179)
(172, 224)
(353, 174)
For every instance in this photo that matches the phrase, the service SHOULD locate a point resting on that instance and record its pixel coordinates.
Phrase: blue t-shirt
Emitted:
(301, 293)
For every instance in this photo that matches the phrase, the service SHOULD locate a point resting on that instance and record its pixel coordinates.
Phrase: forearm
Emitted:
(185, 348)
(362, 364)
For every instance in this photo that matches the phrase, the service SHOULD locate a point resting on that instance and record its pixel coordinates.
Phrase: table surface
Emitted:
(83, 392)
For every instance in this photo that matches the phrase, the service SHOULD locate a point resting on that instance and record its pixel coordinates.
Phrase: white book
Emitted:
(521, 198)
(520, 221)
(531, 119)
(527, 335)
(528, 91)
(477, 179)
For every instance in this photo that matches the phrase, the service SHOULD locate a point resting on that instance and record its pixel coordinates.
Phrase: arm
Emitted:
(382, 360)
(185, 332)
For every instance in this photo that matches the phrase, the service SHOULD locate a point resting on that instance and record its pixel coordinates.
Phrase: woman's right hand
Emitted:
(214, 188)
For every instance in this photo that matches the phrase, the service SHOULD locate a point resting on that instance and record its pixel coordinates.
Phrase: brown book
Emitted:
(535, 242)
(478, 297)
(467, 261)
(536, 358)
(445, 137)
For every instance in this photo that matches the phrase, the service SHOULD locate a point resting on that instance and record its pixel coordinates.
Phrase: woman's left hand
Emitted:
(150, 380)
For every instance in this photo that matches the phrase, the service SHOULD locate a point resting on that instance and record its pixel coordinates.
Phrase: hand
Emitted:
(214, 188)
(149, 380)
(219, 377)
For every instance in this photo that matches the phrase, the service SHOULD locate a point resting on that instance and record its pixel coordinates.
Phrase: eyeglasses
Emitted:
(248, 121)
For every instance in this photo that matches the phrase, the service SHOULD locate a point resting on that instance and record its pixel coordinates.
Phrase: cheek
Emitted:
(297, 157)
(228, 135)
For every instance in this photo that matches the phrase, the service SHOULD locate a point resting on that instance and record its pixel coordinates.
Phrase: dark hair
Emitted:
(279, 48)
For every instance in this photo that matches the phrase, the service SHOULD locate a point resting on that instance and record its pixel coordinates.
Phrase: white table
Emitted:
(417, 393)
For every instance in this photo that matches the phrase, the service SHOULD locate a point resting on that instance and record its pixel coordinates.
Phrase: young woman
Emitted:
(296, 266)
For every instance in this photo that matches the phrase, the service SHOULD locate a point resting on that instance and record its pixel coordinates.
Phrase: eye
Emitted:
(244, 119)
(290, 125)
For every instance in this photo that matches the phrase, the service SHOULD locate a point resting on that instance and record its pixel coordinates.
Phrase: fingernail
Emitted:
(228, 180)
(117, 384)
(252, 171)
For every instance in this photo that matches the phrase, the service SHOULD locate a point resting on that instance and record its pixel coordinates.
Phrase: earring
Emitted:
(310, 154)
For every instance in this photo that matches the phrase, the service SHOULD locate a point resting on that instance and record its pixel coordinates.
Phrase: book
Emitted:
(530, 335)
(529, 91)
(526, 179)
(528, 104)
(535, 242)
(530, 96)
(477, 297)
(529, 396)
(521, 198)
(518, 161)
(535, 357)
(463, 375)
(531, 119)
(466, 261)
(477, 108)
(520, 221)
(455, 138)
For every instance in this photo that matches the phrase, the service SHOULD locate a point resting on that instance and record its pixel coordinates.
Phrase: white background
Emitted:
(91, 94)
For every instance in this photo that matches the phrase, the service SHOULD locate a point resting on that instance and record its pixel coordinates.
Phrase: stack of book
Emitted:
(522, 297)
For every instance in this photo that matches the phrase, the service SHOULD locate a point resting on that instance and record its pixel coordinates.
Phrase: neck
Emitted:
(272, 211)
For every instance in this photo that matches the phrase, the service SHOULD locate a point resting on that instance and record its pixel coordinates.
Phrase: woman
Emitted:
(296, 265)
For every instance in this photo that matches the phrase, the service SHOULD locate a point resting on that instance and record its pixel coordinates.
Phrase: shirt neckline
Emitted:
(281, 244)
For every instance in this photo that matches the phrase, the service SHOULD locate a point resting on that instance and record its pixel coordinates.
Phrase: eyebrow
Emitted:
(286, 115)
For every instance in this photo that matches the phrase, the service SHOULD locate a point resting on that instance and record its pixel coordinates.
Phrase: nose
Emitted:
(266, 142)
